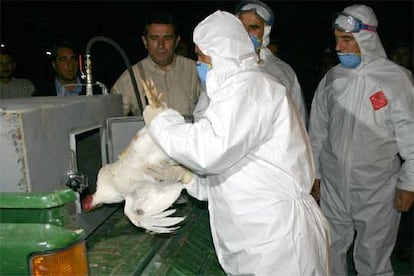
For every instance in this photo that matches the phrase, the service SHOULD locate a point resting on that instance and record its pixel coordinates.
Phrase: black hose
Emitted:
(126, 60)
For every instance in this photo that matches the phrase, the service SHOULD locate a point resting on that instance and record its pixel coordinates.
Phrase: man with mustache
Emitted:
(173, 75)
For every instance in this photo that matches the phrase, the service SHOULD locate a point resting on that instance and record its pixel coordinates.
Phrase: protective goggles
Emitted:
(350, 24)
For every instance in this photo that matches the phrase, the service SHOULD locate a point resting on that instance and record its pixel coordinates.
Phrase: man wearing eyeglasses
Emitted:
(361, 130)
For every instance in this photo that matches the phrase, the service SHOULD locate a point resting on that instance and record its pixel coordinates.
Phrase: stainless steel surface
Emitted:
(36, 133)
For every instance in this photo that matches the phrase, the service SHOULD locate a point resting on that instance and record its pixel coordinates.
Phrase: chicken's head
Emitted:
(106, 193)
(87, 203)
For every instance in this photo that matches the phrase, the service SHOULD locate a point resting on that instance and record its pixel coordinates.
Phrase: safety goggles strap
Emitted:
(352, 23)
(368, 28)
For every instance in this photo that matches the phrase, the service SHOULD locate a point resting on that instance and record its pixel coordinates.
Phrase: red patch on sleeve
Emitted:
(378, 100)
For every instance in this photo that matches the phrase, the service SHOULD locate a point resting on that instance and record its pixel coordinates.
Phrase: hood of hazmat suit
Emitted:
(271, 63)
(361, 126)
(368, 41)
(263, 11)
(253, 159)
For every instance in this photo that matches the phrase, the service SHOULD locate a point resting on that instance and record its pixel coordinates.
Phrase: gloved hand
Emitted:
(166, 172)
(150, 113)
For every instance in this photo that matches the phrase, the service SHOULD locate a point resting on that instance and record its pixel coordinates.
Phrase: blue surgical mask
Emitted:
(349, 60)
(256, 42)
(202, 70)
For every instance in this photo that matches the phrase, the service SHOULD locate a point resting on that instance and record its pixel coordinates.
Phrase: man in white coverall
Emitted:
(254, 158)
(257, 18)
(361, 127)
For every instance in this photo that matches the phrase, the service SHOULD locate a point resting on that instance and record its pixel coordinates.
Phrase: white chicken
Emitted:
(146, 199)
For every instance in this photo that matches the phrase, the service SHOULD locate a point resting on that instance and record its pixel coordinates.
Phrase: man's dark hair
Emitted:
(62, 44)
(161, 17)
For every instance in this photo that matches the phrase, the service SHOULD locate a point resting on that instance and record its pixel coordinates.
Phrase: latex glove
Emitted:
(171, 173)
(150, 113)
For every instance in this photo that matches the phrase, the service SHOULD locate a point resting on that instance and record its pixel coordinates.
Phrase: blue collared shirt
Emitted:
(74, 92)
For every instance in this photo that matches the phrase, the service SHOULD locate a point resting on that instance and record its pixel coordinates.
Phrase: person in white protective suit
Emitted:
(257, 18)
(251, 160)
(361, 129)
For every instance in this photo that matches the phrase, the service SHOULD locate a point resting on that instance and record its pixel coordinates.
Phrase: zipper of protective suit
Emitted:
(356, 105)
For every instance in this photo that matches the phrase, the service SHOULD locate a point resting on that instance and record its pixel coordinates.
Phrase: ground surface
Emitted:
(119, 248)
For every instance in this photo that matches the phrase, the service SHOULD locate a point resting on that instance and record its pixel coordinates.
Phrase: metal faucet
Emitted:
(76, 181)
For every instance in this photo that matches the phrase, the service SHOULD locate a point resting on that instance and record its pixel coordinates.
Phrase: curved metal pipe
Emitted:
(88, 67)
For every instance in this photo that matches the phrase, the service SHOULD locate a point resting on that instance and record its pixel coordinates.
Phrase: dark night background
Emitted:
(302, 30)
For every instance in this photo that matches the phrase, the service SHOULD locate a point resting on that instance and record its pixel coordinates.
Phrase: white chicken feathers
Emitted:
(146, 199)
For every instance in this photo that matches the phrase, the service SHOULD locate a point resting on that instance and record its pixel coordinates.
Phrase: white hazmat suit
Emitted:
(270, 63)
(255, 160)
(287, 77)
(361, 126)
